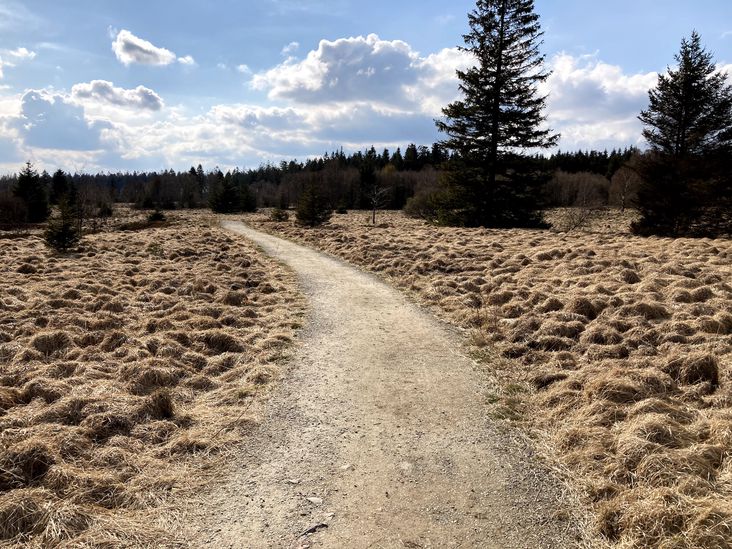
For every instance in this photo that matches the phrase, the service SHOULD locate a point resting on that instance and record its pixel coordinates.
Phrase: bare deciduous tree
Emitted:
(624, 187)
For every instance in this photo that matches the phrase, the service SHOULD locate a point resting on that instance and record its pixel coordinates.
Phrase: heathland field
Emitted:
(615, 350)
(127, 370)
(133, 370)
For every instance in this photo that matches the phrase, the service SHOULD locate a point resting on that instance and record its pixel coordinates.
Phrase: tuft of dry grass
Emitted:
(624, 346)
(126, 371)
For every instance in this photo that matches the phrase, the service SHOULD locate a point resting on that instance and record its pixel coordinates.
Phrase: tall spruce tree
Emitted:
(31, 190)
(59, 186)
(688, 125)
(690, 111)
(489, 183)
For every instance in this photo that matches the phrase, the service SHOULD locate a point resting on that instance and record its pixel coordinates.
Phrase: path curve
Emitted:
(377, 436)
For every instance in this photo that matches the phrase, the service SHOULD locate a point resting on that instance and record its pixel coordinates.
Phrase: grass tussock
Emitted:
(624, 346)
(126, 370)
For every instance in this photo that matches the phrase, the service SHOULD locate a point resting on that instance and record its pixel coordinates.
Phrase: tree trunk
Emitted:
(496, 111)
(623, 194)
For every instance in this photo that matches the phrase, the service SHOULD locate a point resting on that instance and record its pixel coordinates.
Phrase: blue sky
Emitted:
(98, 84)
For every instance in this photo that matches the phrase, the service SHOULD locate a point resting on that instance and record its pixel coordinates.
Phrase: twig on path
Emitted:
(313, 529)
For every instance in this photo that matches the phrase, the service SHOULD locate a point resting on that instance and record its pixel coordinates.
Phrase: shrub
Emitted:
(421, 206)
(13, 212)
(278, 214)
(156, 217)
(582, 189)
(105, 211)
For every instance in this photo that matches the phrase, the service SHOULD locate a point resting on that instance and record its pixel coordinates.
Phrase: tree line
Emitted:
(347, 180)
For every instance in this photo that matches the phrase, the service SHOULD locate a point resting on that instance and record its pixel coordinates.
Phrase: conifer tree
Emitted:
(411, 157)
(398, 160)
(501, 113)
(201, 178)
(688, 125)
(224, 194)
(313, 208)
(63, 232)
(30, 189)
(59, 186)
(247, 199)
(690, 111)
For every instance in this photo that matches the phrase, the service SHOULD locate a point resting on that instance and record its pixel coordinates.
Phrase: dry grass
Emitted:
(126, 370)
(616, 349)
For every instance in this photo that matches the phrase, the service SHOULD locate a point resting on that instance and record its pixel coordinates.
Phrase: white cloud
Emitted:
(17, 55)
(131, 49)
(437, 84)
(585, 88)
(268, 118)
(50, 121)
(21, 54)
(187, 60)
(290, 48)
(595, 104)
(361, 125)
(244, 69)
(345, 70)
(9, 105)
(139, 98)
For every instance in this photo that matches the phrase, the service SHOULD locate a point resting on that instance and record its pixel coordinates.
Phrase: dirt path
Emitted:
(378, 431)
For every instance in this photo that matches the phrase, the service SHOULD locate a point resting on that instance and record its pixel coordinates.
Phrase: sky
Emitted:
(89, 85)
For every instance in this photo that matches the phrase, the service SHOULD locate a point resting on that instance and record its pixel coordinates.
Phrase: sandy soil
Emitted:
(378, 437)
(616, 349)
(128, 371)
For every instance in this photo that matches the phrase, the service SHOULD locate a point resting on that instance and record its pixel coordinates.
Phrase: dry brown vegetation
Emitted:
(126, 370)
(617, 349)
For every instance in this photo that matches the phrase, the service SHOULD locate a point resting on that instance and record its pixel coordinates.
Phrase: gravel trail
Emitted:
(378, 436)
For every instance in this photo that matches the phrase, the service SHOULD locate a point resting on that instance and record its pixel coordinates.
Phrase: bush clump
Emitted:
(279, 215)
(422, 206)
(156, 217)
